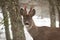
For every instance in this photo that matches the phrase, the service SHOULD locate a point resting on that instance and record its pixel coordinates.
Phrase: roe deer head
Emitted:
(27, 17)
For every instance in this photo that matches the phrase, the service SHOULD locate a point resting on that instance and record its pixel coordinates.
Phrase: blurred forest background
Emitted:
(11, 27)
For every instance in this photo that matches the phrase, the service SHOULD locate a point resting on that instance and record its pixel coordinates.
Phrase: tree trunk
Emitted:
(58, 9)
(16, 23)
(5, 15)
(52, 14)
(59, 15)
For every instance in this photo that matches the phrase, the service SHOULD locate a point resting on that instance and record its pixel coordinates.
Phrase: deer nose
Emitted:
(26, 23)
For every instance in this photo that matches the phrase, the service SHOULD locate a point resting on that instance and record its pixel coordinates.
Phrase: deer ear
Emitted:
(32, 12)
(21, 11)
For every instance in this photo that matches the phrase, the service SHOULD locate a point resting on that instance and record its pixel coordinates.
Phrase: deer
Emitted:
(38, 33)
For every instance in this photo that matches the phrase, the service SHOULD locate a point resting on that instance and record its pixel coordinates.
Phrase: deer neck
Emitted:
(33, 30)
(33, 26)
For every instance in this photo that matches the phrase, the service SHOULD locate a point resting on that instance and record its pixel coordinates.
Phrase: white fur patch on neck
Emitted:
(27, 26)
(27, 34)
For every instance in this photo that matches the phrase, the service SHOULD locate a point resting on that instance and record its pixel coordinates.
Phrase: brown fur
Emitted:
(39, 33)
(45, 33)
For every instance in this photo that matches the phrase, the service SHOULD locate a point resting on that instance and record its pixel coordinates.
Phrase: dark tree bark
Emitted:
(16, 23)
(58, 9)
(6, 24)
(52, 14)
(5, 15)
(58, 15)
